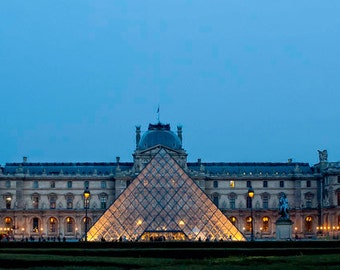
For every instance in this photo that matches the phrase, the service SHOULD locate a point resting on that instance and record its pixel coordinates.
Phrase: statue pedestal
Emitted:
(283, 229)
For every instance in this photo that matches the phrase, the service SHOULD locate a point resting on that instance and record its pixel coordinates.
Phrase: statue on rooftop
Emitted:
(323, 155)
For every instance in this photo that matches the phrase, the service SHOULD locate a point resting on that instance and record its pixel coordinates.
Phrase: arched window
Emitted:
(53, 200)
(35, 200)
(308, 224)
(52, 226)
(35, 224)
(69, 225)
(8, 223)
(265, 224)
(233, 220)
(8, 201)
(69, 200)
(248, 223)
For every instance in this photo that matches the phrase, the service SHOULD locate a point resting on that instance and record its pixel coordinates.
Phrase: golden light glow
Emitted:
(309, 218)
(265, 219)
(232, 184)
(251, 193)
(181, 223)
(139, 222)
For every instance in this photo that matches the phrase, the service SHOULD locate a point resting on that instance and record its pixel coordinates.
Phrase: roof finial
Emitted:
(158, 114)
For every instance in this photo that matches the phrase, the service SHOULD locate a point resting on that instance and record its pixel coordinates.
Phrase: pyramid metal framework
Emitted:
(163, 203)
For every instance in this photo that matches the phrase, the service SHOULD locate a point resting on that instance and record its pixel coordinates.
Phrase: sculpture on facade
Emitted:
(283, 207)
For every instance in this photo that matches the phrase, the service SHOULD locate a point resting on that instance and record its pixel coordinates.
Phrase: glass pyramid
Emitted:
(163, 203)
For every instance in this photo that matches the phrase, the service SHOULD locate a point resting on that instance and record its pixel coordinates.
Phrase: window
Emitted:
(8, 223)
(248, 224)
(215, 184)
(265, 183)
(35, 224)
(69, 184)
(265, 224)
(308, 183)
(128, 182)
(69, 225)
(8, 183)
(103, 200)
(52, 225)
(52, 184)
(69, 201)
(86, 184)
(232, 200)
(309, 198)
(338, 198)
(103, 184)
(53, 202)
(265, 200)
(8, 200)
(232, 184)
(282, 184)
(35, 184)
(308, 224)
(215, 199)
(35, 201)
(233, 220)
(248, 184)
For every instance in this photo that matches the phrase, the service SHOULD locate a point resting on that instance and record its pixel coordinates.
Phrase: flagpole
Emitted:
(158, 114)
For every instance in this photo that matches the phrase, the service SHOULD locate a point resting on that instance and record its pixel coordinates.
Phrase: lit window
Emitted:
(232, 184)
(35, 201)
(35, 225)
(248, 224)
(233, 220)
(69, 225)
(53, 225)
(265, 224)
(308, 224)
(8, 200)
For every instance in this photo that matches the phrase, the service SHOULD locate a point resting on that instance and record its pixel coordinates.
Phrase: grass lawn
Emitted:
(51, 261)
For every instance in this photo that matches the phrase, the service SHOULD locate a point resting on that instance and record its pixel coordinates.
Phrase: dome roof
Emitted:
(159, 134)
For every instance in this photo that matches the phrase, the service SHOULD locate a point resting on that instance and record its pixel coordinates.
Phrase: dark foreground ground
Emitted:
(171, 255)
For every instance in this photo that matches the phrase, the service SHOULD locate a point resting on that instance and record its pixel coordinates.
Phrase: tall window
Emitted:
(52, 184)
(86, 184)
(215, 184)
(248, 184)
(265, 183)
(248, 224)
(52, 225)
(35, 224)
(69, 201)
(265, 201)
(103, 184)
(103, 202)
(308, 224)
(309, 198)
(282, 184)
(232, 200)
(8, 200)
(69, 225)
(232, 184)
(308, 183)
(265, 224)
(69, 184)
(128, 183)
(35, 201)
(8, 183)
(53, 201)
(8, 223)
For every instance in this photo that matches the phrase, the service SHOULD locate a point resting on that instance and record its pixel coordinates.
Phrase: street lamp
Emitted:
(86, 195)
(251, 196)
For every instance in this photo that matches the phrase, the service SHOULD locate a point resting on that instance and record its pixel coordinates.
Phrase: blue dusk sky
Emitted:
(249, 81)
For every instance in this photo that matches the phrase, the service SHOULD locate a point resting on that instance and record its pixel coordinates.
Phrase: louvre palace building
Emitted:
(161, 195)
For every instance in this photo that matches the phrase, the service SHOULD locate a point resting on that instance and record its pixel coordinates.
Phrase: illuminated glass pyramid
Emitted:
(163, 203)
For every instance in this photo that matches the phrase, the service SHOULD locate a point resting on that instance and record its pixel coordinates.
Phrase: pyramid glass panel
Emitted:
(163, 201)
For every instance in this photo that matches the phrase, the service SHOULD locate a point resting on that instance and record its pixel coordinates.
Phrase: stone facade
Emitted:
(45, 200)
